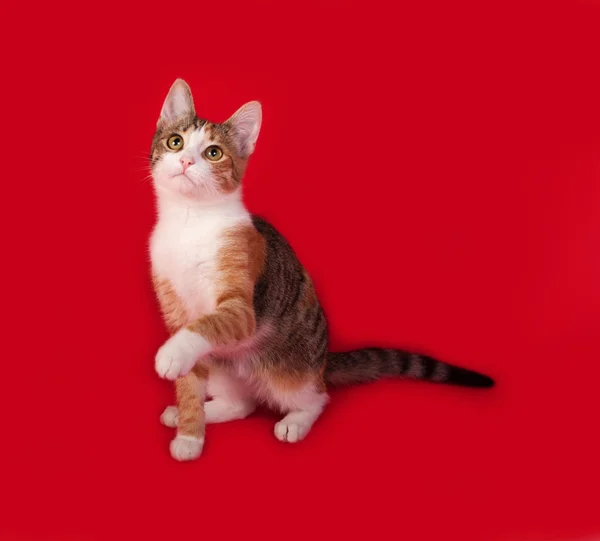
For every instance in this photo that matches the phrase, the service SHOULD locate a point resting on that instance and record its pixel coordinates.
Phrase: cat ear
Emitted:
(245, 127)
(179, 103)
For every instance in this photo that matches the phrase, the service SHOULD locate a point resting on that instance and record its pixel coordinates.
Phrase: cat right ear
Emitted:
(179, 103)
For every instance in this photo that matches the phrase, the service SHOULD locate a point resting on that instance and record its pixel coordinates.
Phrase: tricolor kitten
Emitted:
(246, 326)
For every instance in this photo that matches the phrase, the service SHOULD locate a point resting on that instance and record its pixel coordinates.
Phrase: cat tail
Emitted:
(370, 364)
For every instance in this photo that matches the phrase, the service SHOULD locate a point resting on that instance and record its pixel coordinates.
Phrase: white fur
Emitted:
(184, 248)
(222, 411)
(185, 244)
(186, 447)
(296, 424)
(170, 417)
(179, 354)
(231, 397)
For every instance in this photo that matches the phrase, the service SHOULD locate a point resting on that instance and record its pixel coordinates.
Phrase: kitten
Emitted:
(246, 326)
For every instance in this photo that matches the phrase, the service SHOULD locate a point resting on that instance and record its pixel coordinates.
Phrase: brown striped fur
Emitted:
(295, 354)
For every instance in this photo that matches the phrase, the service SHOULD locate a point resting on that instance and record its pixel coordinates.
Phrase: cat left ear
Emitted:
(179, 103)
(245, 127)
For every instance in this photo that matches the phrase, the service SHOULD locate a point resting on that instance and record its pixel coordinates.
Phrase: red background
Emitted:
(435, 165)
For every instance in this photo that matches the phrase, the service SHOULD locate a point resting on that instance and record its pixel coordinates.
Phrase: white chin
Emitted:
(189, 188)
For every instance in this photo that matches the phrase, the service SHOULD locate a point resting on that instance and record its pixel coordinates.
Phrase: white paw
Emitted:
(170, 416)
(186, 447)
(290, 432)
(179, 354)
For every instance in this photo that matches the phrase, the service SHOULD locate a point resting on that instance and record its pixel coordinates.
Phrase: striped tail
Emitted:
(370, 364)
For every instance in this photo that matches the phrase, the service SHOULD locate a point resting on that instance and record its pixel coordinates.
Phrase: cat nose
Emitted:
(186, 162)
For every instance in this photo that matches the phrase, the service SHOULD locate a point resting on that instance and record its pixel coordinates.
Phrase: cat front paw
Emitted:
(178, 355)
(184, 448)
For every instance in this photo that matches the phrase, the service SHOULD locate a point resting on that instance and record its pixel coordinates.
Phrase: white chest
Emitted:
(184, 249)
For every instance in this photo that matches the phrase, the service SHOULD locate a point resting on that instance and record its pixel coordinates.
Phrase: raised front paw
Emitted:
(179, 354)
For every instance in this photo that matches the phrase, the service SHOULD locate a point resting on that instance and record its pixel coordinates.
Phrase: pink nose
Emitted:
(186, 162)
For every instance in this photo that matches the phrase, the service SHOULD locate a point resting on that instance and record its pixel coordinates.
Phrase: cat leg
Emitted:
(231, 400)
(231, 397)
(304, 407)
(191, 393)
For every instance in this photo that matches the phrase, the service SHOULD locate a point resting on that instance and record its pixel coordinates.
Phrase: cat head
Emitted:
(198, 159)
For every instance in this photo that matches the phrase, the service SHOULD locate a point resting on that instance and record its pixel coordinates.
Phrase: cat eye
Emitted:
(213, 153)
(175, 142)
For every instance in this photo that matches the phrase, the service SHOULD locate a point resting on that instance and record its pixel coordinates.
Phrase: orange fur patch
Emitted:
(172, 307)
(190, 402)
(201, 371)
(240, 262)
